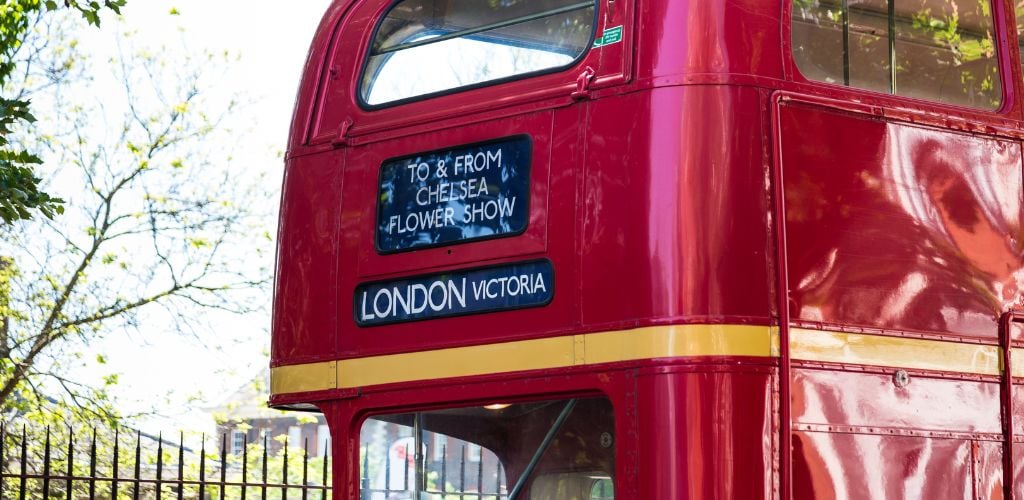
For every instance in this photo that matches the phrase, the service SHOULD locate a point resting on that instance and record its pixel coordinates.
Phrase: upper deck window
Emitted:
(940, 50)
(424, 47)
(1020, 31)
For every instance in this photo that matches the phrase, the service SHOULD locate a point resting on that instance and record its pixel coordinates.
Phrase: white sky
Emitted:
(272, 39)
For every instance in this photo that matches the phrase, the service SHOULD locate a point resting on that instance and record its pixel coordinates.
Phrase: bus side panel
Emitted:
(900, 227)
(873, 401)
(305, 307)
(860, 434)
(1018, 470)
(856, 466)
(988, 469)
(677, 197)
(1018, 424)
(706, 434)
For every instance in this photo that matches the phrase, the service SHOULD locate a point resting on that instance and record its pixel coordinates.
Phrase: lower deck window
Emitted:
(544, 450)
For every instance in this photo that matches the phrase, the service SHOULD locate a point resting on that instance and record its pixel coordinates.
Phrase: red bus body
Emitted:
(785, 288)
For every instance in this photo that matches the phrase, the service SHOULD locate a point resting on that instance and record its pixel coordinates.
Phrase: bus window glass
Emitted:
(940, 50)
(424, 47)
(1019, 8)
(576, 462)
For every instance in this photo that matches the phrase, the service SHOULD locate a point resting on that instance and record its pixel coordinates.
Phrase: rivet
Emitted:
(901, 378)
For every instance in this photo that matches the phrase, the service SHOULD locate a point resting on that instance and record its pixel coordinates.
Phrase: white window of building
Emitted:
(439, 447)
(237, 441)
(295, 437)
(323, 440)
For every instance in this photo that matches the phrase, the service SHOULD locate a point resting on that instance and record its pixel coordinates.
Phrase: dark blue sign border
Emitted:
(526, 203)
(455, 272)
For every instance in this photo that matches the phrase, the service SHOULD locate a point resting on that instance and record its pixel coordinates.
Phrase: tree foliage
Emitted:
(161, 221)
(20, 193)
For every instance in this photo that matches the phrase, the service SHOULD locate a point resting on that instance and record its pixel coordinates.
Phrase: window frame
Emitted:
(379, 21)
(1003, 43)
(239, 439)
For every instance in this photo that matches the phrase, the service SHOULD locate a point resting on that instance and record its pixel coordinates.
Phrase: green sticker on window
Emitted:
(610, 36)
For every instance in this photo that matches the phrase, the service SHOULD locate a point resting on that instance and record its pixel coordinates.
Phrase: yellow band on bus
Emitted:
(525, 355)
(658, 342)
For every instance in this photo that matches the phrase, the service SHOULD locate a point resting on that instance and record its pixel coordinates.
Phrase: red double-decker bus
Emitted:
(658, 249)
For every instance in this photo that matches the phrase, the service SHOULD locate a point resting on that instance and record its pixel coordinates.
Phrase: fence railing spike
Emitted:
(181, 465)
(323, 480)
(3, 460)
(462, 473)
(444, 469)
(23, 484)
(159, 464)
(284, 471)
(305, 466)
(92, 465)
(202, 468)
(46, 465)
(138, 465)
(115, 463)
(265, 480)
(480, 478)
(223, 466)
(245, 464)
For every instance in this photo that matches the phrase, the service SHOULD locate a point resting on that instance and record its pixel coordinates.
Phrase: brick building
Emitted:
(243, 417)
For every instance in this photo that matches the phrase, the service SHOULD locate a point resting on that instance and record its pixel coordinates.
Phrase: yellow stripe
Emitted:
(304, 378)
(900, 352)
(555, 352)
(678, 341)
(644, 343)
(537, 354)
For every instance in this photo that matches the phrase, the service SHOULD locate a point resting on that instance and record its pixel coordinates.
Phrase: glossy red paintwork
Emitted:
(888, 224)
(653, 197)
(698, 439)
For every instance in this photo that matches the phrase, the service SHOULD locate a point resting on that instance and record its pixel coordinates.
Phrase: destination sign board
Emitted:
(489, 289)
(455, 195)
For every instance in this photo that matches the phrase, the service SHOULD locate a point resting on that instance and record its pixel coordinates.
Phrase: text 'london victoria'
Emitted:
(462, 292)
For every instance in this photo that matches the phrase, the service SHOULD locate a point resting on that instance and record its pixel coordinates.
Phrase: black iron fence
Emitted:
(51, 465)
(443, 479)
